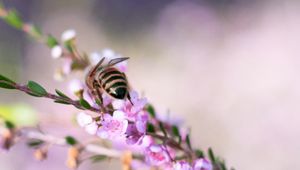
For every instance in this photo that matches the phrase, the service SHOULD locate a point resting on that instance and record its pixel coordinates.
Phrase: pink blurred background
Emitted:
(229, 68)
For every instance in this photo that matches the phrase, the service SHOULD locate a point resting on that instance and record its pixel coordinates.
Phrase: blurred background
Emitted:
(228, 68)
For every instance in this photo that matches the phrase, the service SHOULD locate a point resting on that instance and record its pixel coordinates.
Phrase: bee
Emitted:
(108, 79)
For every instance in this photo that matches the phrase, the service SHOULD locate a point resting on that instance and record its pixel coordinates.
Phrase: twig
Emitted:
(91, 148)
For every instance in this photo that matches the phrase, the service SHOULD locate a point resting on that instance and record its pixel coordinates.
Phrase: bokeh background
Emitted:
(228, 68)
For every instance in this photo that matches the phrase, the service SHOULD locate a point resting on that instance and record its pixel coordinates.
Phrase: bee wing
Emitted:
(96, 67)
(117, 60)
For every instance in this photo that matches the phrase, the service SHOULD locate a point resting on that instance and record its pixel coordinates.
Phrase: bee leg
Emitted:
(99, 97)
(129, 98)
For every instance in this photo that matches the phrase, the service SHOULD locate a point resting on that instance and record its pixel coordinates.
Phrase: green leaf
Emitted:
(6, 85)
(222, 165)
(70, 140)
(36, 31)
(9, 124)
(84, 103)
(199, 153)
(175, 130)
(14, 19)
(33, 94)
(211, 155)
(35, 143)
(61, 102)
(36, 89)
(151, 110)
(61, 94)
(6, 79)
(97, 158)
(188, 141)
(162, 128)
(176, 133)
(150, 128)
(69, 46)
(51, 41)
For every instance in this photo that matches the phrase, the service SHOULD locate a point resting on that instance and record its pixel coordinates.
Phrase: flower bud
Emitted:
(126, 160)
(72, 160)
(56, 52)
(68, 35)
(40, 154)
(84, 119)
(7, 139)
(95, 58)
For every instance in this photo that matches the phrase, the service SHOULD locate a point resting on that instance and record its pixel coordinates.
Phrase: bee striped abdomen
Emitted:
(113, 82)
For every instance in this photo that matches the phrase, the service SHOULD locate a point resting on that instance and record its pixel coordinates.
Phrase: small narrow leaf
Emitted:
(176, 133)
(9, 125)
(35, 143)
(13, 19)
(199, 153)
(97, 158)
(70, 140)
(188, 141)
(6, 85)
(61, 94)
(211, 155)
(35, 31)
(6, 79)
(37, 89)
(69, 46)
(51, 41)
(222, 165)
(84, 103)
(34, 94)
(162, 128)
(151, 110)
(175, 130)
(61, 102)
(150, 128)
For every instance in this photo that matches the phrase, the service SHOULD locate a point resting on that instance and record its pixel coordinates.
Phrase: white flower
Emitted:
(84, 119)
(56, 52)
(75, 86)
(108, 53)
(91, 128)
(68, 35)
(58, 75)
(95, 58)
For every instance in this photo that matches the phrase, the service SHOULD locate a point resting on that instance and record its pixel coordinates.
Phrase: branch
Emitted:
(91, 148)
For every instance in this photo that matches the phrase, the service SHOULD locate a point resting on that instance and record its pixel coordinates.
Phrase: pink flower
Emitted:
(138, 103)
(83, 119)
(136, 132)
(202, 164)
(67, 66)
(106, 99)
(156, 155)
(132, 135)
(113, 126)
(141, 122)
(131, 110)
(182, 165)
(75, 86)
(91, 128)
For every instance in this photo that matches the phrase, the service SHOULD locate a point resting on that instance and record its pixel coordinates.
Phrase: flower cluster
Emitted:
(132, 125)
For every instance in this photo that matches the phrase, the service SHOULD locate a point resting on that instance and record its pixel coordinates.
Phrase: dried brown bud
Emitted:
(3, 13)
(7, 139)
(73, 157)
(40, 154)
(126, 160)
